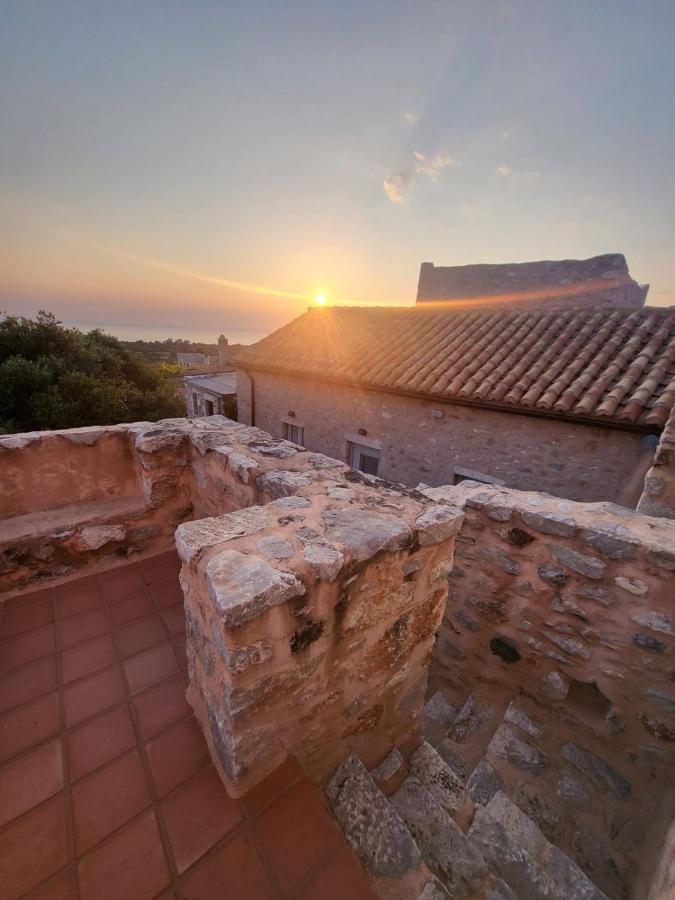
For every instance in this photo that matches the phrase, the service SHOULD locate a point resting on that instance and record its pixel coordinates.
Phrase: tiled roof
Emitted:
(615, 365)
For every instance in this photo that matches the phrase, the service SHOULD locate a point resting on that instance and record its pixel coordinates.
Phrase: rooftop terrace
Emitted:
(106, 785)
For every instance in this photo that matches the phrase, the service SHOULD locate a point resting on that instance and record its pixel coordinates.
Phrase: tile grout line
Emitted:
(154, 799)
(67, 788)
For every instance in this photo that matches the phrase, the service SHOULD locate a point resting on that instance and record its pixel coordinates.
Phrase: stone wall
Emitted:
(311, 618)
(568, 608)
(423, 441)
(88, 497)
(553, 284)
(658, 496)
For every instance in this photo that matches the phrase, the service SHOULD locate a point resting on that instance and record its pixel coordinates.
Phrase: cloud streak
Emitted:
(399, 183)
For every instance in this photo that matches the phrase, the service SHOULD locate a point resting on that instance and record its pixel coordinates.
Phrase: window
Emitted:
(208, 407)
(365, 459)
(294, 433)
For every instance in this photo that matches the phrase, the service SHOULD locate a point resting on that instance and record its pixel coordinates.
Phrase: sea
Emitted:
(195, 335)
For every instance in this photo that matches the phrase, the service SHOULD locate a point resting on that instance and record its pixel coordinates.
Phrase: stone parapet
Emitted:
(311, 620)
(658, 495)
(87, 497)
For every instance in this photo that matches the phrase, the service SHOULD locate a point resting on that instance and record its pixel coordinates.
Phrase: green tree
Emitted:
(56, 377)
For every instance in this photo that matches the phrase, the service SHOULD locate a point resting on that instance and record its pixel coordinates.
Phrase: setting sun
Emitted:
(320, 299)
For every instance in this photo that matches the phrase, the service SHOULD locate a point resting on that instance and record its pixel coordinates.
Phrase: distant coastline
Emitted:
(162, 332)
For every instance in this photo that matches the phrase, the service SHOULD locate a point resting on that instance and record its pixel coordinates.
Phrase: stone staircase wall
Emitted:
(553, 669)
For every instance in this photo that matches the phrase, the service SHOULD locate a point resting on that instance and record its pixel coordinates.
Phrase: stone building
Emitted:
(211, 394)
(568, 400)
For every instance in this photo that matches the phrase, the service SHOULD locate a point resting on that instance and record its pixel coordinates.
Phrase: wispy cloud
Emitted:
(398, 183)
(516, 176)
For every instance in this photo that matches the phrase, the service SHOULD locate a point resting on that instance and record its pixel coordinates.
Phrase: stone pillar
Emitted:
(658, 495)
(310, 626)
(222, 350)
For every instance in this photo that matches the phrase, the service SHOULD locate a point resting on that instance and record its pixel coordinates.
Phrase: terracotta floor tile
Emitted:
(174, 618)
(29, 724)
(234, 870)
(21, 601)
(135, 607)
(150, 666)
(76, 583)
(129, 866)
(140, 635)
(92, 695)
(59, 887)
(77, 629)
(27, 682)
(120, 583)
(161, 705)
(83, 659)
(197, 815)
(343, 877)
(176, 755)
(33, 848)
(297, 834)
(107, 799)
(168, 594)
(161, 568)
(26, 619)
(99, 740)
(280, 780)
(29, 780)
(23, 648)
(78, 600)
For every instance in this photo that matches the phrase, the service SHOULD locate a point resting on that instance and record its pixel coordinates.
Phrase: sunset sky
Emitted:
(202, 167)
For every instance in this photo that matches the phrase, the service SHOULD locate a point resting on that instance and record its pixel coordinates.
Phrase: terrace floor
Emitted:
(106, 787)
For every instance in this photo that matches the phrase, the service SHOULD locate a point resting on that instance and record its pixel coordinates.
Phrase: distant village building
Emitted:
(564, 388)
(195, 360)
(212, 395)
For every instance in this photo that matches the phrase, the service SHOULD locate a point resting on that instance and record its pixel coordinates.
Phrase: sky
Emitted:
(191, 168)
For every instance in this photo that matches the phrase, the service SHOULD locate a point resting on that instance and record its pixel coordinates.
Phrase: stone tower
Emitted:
(222, 350)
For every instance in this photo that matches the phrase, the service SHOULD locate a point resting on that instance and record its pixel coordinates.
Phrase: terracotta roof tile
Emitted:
(605, 363)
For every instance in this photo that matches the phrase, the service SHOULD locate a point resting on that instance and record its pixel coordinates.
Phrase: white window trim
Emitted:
(351, 439)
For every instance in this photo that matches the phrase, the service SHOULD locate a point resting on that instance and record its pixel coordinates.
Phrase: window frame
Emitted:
(288, 427)
(357, 449)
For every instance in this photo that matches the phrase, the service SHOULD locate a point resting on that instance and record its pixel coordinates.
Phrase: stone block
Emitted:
(371, 825)
(588, 566)
(655, 620)
(437, 524)
(598, 772)
(549, 523)
(362, 533)
(484, 783)
(438, 779)
(508, 745)
(242, 586)
(446, 849)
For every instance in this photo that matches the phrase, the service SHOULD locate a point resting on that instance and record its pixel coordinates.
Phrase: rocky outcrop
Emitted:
(551, 284)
